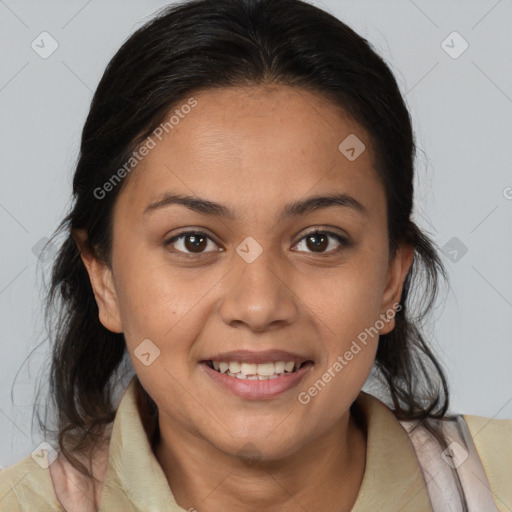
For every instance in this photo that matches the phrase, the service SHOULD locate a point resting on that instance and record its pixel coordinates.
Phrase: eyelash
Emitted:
(343, 241)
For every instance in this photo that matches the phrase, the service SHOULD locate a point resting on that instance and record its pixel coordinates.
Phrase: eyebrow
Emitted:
(294, 209)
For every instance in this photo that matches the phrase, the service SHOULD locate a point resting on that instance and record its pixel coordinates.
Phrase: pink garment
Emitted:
(442, 466)
(71, 488)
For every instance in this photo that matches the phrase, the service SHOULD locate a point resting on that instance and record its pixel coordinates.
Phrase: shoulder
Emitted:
(493, 441)
(487, 428)
(478, 449)
(46, 480)
(27, 485)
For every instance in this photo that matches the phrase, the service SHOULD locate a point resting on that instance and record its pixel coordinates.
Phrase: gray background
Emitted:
(461, 109)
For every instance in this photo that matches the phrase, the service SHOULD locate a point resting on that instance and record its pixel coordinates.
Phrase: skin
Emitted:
(253, 149)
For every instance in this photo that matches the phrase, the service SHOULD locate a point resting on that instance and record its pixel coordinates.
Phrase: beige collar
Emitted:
(393, 479)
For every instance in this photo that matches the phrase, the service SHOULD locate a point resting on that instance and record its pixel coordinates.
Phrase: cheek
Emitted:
(346, 317)
(347, 308)
(166, 305)
(150, 298)
(349, 299)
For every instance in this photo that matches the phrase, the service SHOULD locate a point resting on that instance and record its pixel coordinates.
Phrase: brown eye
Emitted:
(318, 241)
(191, 242)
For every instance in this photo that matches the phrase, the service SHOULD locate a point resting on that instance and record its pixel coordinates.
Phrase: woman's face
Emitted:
(256, 281)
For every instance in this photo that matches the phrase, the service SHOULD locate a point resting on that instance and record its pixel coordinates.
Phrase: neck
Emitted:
(325, 474)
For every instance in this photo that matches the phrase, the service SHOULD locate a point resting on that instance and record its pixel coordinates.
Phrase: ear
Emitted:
(102, 282)
(398, 268)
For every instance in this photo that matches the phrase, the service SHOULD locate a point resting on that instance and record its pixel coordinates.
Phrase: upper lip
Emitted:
(265, 356)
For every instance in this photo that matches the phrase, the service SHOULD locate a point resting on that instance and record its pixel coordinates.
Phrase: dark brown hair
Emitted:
(200, 45)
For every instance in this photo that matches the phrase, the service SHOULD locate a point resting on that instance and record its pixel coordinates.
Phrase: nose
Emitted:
(259, 295)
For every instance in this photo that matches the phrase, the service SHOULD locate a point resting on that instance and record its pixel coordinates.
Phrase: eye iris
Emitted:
(198, 242)
(319, 241)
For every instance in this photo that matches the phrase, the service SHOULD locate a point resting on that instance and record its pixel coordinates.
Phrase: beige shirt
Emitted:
(134, 480)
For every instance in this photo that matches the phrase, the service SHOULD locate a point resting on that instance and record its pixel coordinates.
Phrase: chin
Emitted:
(258, 448)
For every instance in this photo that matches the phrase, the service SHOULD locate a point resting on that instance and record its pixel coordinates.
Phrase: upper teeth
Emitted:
(256, 369)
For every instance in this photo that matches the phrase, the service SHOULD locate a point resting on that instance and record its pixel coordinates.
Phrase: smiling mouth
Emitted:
(256, 371)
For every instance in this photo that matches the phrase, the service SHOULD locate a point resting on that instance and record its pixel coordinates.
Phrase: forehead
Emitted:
(267, 143)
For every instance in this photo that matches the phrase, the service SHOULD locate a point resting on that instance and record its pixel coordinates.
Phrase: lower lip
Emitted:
(258, 389)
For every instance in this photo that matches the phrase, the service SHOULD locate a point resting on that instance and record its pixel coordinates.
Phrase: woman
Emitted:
(241, 235)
